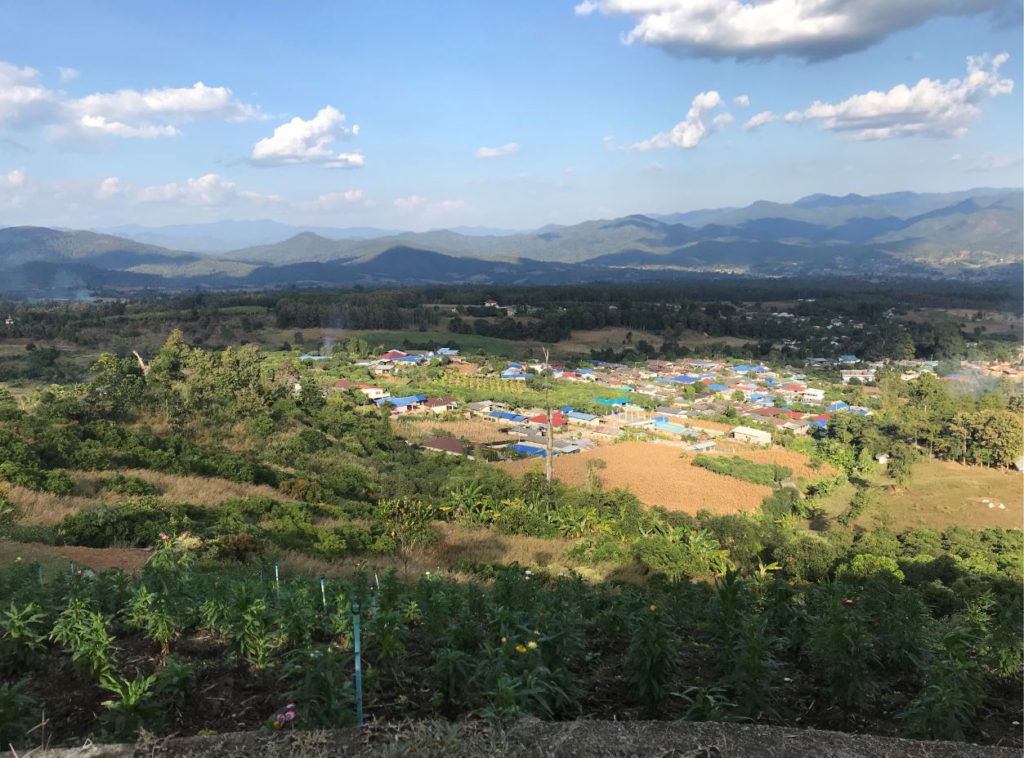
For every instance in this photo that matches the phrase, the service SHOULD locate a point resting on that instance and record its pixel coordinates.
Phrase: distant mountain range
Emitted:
(975, 233)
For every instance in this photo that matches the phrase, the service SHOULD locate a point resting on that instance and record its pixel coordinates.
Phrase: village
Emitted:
(696, 405)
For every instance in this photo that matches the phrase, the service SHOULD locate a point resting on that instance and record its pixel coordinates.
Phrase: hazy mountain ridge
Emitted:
(976, 232)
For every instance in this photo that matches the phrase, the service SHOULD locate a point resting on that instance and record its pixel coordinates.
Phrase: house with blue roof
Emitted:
(400, 405)
(849, 359)
(309, 357)
(514, 418)
(717, 387)
(839, 405)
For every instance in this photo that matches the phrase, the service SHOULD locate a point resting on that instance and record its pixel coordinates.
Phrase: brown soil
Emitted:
(98, 559)
(658, 476)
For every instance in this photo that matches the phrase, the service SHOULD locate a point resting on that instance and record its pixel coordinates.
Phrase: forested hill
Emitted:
(975, 234)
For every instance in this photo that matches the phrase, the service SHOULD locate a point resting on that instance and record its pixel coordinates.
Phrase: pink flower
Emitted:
(165, 537)
(847, 603)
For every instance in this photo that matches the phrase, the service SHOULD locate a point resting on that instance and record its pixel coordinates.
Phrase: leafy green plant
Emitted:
(22, 633)
(324, 693)
(707, 704)
(173, 682)
(134, 708)
(17, 714)
(843, 646)
(651, 660)
(85, 633)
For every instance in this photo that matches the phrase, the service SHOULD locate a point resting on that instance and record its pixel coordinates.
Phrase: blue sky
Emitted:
(503, 114)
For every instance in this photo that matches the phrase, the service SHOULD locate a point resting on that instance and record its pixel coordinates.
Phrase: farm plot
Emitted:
(658, 476)
(472, 429)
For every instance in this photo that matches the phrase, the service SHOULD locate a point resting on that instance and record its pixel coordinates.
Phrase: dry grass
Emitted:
(473, 429)
(45, 508)
(943, 494)
(200, 490)
(463, 545)
(658, 476)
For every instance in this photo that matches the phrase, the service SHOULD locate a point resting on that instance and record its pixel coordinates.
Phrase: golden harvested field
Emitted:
(473, 429)
(658, 476)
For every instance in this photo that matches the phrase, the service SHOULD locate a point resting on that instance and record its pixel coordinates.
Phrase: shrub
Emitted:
(740, 468)
(652, 660)
(128, 485)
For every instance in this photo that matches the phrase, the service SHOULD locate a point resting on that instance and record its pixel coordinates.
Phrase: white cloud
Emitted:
(993, 162)
(209, 189)
(496, 152)
(759, 119)
(109, 188)
(67, 74)
(428, 209)
(22, 100)
(14, 178)
(340, 199)
(929, 108)
(312, 141)
(722, 120)
(810, 29)
(25, 103)
(409, 203)
(692, 130)
(14, 189)
(742, 100)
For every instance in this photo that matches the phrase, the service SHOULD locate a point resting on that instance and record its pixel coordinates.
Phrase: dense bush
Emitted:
(769, 474)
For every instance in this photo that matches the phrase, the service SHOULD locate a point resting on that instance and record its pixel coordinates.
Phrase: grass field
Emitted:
(658, 476)
(420, 428)
(59, 557)
(941, 494)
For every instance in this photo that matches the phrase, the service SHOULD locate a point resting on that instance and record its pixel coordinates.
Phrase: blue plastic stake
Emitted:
(71, 567)
(357, 646)
(277, 580)
(323, 592)
(39, 572)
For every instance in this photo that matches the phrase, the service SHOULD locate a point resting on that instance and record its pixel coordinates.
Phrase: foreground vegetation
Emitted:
(920, 646)
(616, 610)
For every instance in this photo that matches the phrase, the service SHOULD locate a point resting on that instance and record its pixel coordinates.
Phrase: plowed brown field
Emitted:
(658, 476)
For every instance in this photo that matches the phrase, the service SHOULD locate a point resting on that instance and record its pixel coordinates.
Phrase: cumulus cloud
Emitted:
(929, 108)
(742, 100)
(809, 29)
(25, 103)
(14, 178)
(692, 130)
(312, 141)
(758, 120)
(109, 188)
(496, 152)
(66, 74)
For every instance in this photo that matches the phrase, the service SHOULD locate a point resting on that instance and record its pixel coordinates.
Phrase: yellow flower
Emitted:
(17, 559)
(654, 608)
(532, 645)
(520, 648)
(276, 724)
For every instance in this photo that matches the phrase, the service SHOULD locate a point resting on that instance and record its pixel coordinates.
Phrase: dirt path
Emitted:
(98, 559)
